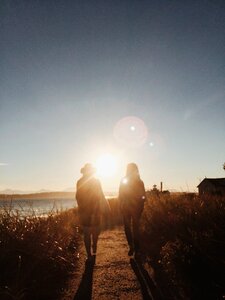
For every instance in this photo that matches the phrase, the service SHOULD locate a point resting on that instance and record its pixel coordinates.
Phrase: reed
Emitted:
(184, 238)
(37, 254)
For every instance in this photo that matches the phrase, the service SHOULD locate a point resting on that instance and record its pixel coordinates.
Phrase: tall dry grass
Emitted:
(184, 237)
(37, 254)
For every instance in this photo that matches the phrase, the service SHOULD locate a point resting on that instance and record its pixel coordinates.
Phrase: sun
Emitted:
(106, 165)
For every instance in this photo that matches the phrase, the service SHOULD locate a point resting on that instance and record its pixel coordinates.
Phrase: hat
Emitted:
(88, 169)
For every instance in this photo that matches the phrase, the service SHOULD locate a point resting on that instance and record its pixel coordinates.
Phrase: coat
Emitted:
(132, 196)
(90, 200)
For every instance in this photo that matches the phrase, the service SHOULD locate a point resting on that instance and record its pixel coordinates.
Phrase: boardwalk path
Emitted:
(113, 276)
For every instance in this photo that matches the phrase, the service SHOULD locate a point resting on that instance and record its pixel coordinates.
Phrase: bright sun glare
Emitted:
(106, 165)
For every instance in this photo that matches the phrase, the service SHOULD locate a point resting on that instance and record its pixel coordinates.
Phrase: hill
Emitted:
(43, 195)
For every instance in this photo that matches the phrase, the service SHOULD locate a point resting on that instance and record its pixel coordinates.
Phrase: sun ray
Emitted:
(106, 165)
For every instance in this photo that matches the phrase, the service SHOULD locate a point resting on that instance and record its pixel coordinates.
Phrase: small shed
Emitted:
(212, 186)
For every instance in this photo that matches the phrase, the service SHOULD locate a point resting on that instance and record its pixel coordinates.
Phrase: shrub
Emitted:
(185, 237)
(36, 254)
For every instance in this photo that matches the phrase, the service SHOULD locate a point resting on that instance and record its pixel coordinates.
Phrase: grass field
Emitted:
(182, 237)
(36, 254)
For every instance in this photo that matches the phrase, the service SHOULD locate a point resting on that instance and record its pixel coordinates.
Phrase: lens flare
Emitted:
(131, 132)
(125, 180)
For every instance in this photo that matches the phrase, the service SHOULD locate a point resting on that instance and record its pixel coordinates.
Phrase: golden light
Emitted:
(125, 180)
(106, 165)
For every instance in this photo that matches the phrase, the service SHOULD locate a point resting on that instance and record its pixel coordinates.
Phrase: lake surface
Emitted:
(38, 207)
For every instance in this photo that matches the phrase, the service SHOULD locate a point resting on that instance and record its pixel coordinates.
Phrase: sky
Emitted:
(142, 80)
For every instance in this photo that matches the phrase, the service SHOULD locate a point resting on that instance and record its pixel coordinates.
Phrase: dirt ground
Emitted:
(114, 275)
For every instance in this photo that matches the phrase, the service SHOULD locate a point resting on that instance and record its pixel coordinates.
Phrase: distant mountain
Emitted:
(44, 191)
(45, 195)
(69, 189)
(20, 192)
(11, 192)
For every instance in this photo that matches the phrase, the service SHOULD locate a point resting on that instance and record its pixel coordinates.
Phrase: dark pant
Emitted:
(91, 234)
(131, 227)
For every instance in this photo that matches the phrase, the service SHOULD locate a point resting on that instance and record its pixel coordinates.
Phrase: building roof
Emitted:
(217, 182)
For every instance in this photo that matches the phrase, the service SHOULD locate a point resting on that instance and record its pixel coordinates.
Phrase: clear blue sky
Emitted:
(71, 70)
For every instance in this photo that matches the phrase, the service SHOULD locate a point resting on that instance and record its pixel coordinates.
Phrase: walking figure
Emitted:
(132, 198)
(91, 202)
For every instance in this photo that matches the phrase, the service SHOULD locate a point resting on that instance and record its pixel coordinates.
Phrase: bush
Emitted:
(185, 237)
(36, 254)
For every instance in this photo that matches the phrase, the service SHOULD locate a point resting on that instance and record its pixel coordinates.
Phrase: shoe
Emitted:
(94, 250)
(137, 256)
(131, 252)
(89, 256)
(89, 259)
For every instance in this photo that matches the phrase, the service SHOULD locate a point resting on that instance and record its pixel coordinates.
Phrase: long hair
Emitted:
(132, 171)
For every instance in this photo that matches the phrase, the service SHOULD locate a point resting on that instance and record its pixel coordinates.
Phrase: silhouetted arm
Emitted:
(104, 204)
(143, 190)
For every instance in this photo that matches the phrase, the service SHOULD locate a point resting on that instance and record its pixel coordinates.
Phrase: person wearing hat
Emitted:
(90, 199)
(132, 198)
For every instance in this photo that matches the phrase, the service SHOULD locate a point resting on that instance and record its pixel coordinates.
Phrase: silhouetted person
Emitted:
(90, 200)
(132, 198)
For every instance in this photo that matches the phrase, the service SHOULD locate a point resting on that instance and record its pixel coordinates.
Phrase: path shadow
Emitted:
(85, 288)
(148, 288)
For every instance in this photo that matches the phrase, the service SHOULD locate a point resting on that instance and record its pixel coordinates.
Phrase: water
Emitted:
(37, 206)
